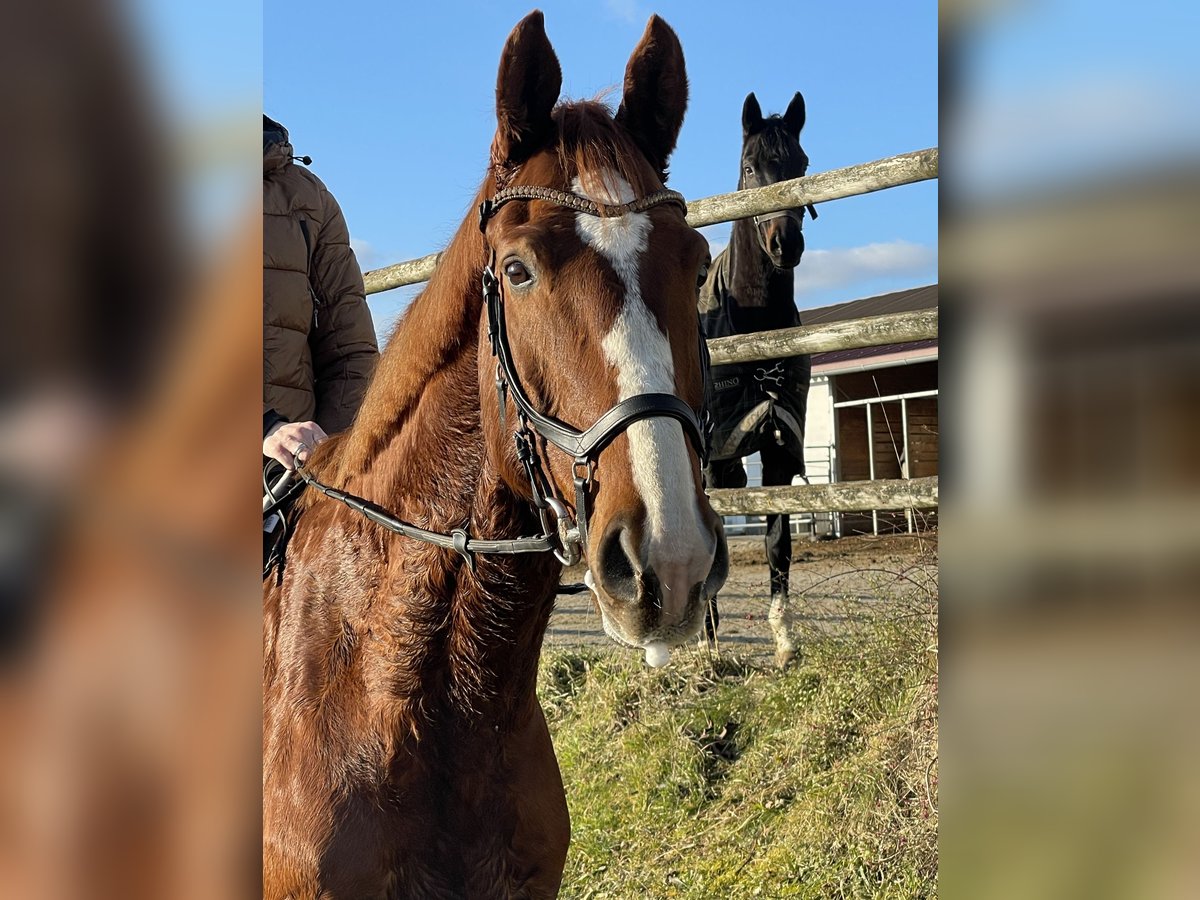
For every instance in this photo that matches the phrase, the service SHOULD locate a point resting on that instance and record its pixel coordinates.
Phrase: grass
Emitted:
(715, 777)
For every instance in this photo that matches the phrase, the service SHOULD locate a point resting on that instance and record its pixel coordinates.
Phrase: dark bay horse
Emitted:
(761, 406)
(405, 753)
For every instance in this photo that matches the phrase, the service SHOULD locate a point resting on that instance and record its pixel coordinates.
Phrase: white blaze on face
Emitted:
(676, 543)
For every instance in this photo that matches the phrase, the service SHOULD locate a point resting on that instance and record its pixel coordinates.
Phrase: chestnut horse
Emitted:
(405, 753)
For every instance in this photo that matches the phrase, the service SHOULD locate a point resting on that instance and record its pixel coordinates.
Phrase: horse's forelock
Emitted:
(776, 140)
(591, 143)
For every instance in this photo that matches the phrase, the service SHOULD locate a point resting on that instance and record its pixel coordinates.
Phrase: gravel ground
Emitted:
(826, 578)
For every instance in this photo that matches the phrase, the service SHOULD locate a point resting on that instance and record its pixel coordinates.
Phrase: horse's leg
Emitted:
(778, 469)
(538, 847)
(728, 473)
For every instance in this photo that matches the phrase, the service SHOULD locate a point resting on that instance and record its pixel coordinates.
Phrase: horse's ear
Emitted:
(751, 116)
(793, 119)
(527, 88)
(656, 93)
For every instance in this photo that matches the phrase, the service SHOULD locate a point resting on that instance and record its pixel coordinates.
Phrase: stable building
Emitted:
(873, 413)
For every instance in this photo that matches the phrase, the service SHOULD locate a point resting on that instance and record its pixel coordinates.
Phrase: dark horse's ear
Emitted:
(527, 88)
(656, 94)
(751, 116)
(793, 119)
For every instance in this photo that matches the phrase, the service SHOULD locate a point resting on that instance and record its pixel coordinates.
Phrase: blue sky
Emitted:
(394, 102)
(1060, 92)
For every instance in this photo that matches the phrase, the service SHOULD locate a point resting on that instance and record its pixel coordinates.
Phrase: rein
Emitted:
(457, 540)
(568, 536)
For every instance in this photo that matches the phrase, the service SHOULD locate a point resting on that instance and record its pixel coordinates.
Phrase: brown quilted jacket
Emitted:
(319, 346)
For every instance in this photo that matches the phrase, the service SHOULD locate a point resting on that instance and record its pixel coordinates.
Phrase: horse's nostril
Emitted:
(614, 567)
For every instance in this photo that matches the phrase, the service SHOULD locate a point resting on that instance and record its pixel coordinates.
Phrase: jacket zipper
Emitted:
(316, 302)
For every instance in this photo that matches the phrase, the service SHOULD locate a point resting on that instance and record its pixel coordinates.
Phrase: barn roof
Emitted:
(909, 300)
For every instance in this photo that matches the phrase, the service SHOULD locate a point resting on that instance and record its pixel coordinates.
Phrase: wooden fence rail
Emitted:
(851, 181)
(872, 331)
(842, 496)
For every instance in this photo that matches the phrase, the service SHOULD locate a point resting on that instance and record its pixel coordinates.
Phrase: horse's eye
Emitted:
(749, 170)
(702, 275)
(516, 272)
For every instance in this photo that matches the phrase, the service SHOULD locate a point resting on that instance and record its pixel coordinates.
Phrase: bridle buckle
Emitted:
(584, 471)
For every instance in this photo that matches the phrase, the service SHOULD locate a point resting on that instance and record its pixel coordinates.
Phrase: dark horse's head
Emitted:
(771, 152)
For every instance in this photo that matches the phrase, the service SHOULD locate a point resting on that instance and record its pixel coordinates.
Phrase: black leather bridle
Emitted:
(567, 538)
(584, 447)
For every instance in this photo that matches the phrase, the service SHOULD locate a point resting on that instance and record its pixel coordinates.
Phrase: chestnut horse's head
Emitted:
(771, 152)
(598, 305)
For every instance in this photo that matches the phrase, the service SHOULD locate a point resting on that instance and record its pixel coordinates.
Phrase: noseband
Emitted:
(797, 214)
(584, 447)
(568, 537)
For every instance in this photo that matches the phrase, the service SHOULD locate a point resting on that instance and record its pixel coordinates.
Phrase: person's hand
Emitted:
(291, 441)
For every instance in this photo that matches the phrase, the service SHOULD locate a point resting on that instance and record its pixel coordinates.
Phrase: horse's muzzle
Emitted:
(782, 239)
(656, 594)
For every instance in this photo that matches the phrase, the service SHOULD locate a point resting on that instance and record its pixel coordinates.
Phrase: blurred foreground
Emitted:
(1070, 544)
(131, 342)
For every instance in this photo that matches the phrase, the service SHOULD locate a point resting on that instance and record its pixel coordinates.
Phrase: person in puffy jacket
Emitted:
(319, 346)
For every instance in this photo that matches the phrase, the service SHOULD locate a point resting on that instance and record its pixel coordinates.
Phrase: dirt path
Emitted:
(825, 577)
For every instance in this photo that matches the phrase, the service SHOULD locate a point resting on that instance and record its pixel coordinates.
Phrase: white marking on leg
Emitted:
(780, 619)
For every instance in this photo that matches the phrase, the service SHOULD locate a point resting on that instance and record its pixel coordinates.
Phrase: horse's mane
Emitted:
(428, 336)
(442, 321)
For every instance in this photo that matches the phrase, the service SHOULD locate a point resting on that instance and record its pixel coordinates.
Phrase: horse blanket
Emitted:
(751, 404)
